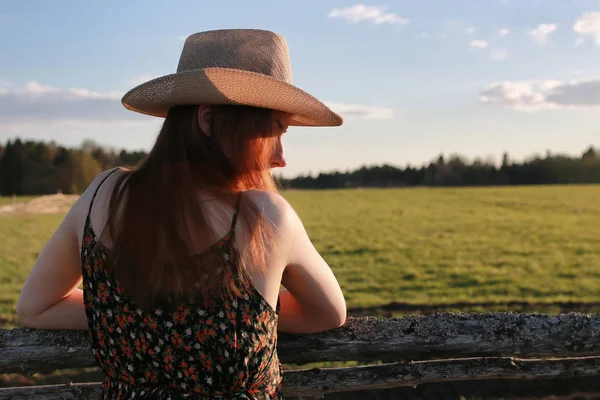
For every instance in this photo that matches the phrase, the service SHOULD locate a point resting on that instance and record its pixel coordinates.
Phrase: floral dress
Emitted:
(189, 351)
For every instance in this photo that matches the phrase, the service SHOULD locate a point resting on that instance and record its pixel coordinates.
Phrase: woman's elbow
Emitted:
(25, 316)
(337, 316)
(25, 322)
(341, 317)
(336, 322)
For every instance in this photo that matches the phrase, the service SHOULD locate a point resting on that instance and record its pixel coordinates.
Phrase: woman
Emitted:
(182, 258)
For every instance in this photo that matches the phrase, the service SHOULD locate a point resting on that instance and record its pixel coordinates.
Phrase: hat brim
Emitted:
(229, 86)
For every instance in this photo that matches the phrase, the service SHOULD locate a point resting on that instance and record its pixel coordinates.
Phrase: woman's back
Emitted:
(209, 348)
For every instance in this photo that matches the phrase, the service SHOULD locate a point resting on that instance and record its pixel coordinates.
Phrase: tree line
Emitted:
(457, 171)
(37, 168)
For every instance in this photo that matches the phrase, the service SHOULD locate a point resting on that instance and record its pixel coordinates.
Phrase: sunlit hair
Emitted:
(158, 224)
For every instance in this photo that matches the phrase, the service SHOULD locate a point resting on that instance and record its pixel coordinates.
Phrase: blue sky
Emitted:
(413, 78)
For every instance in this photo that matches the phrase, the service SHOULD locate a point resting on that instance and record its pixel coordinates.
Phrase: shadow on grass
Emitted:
(398, 308)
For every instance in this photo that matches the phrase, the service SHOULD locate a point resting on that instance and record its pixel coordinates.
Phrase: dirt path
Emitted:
(55, 203)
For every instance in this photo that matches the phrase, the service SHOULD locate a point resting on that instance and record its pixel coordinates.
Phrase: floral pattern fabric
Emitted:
(195, 351)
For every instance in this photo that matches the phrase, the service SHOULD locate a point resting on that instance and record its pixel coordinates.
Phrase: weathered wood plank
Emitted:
(316, 382)
(415, 337)
(448, 335)
(386, 376)
(81, 391)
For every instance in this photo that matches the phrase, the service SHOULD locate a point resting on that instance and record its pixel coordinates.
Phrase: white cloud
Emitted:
(479, 44)
(39, 104)
(424, 35)
(579, 41)
(498, 55)
(543, 95)
(589, 24)
(470, 30)
(36, 102)
(361, 111)
(504, 32)
(86, 94)
(34, 88)
(373, 14)
(541, 33)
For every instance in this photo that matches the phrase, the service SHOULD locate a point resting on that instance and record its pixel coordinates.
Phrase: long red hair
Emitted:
(158, 223)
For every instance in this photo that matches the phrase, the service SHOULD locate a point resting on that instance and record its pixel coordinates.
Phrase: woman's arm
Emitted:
(313, 300)
(49, 298)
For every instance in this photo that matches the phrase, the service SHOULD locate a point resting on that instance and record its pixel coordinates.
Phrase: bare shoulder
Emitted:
(86, 197)
(80, 209)
(274, 206)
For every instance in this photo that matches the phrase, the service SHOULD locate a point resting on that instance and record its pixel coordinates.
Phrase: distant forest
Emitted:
(36, 168)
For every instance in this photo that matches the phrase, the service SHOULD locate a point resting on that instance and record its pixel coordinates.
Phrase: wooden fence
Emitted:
(407, 351)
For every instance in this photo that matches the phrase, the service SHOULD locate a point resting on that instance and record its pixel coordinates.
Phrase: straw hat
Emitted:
(234, 66)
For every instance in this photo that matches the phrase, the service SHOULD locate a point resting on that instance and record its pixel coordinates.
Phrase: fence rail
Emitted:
(413, 349)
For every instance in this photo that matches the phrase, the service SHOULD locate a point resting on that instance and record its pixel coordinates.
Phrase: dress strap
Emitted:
(237, 210)
(98, 187)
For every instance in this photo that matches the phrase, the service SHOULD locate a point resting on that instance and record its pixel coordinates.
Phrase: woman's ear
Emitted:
(204, 119)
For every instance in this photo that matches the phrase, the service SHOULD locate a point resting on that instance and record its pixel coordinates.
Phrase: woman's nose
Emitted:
(279, 160)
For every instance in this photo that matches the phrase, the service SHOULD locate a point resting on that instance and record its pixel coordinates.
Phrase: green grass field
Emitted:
(442, 246)
(419, 246)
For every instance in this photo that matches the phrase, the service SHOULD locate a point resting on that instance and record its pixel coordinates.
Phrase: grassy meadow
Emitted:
(448, 245)
(426, 246)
